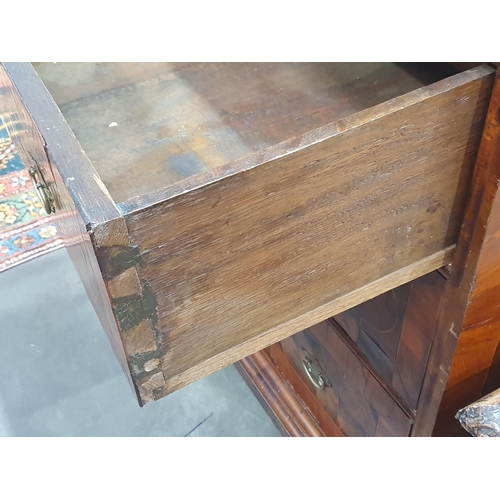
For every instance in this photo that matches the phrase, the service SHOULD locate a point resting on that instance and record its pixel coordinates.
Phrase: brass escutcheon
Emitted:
(314, 373)
(42, 190)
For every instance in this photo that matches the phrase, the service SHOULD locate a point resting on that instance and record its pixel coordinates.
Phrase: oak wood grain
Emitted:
(244, 262)
(233, 354)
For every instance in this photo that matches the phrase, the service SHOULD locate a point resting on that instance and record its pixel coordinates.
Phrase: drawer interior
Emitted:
(145, 126)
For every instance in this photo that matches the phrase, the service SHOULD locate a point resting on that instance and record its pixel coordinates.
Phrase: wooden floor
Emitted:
(149, 125)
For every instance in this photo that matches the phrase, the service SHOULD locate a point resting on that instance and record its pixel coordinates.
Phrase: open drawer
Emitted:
(216, 209)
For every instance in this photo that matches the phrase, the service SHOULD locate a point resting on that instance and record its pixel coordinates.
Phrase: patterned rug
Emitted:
(25, 229)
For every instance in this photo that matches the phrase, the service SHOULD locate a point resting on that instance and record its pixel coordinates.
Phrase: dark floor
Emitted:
(59, 376)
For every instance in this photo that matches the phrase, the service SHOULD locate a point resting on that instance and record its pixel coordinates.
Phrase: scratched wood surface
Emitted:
(149, 125)
(249, 259)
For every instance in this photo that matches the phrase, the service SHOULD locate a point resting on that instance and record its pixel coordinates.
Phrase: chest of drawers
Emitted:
(214, 210)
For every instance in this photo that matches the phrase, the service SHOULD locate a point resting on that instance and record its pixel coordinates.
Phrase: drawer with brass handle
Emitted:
(42, 189)
(215, 209)
(340, 391)
(315, 373)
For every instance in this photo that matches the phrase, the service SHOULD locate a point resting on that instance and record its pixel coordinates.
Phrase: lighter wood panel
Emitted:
(245, 262)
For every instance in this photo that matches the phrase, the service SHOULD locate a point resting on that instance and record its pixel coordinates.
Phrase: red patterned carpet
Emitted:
(25, 229)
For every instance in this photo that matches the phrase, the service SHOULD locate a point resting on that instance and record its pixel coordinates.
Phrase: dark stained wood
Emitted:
(482, 418)
(28, 142)
(353, 401)
(266, 252)
(370, 367)
(174, 120)
(412, 311)
(278, 398)
(395, 330)
(470, 312)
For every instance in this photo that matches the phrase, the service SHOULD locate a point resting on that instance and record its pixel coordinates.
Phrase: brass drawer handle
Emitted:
(314, 373)
(42, 190)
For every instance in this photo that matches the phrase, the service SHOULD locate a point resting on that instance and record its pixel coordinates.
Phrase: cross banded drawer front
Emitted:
(355, 402)
(394, 333)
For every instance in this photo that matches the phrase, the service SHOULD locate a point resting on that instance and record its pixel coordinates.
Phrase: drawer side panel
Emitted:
(239, 264)
(83, 210)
